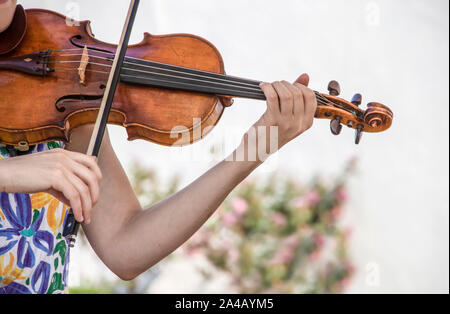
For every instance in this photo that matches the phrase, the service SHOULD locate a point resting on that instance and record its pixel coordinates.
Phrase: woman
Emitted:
(37, 189)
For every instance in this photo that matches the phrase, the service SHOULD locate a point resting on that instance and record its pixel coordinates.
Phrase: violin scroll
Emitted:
(376, 118)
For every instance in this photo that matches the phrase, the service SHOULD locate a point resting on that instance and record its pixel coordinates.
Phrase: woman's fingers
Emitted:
(59, 195)
(73, 178)
(83, 175)
(85, 195)
(273, 102)
(291, 107)
(299, 105)
(89, 178)
(63, 185)
(303, 79)
(286, 99)
(88, 161)
(310, 101)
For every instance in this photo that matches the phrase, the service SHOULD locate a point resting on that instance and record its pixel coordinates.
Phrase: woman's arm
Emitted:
(130, 240)
(7, 9)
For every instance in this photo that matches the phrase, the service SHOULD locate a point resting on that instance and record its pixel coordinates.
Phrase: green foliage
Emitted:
(94, 289)
(276, 236)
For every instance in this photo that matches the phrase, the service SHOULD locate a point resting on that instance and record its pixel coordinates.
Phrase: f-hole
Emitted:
(64, 101)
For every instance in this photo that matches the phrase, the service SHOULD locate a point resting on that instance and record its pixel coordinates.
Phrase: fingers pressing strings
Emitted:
(298, 107)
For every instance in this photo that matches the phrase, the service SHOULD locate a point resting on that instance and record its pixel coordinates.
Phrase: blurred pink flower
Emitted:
(196, 243)
(279, 220)
(239, 205)
(190, 251)
(283, 256)
(233, 254)
(300, 202)
(350, 268)
(345, 283)
(287, 255)
(313, 198)
(315, 256)
(341, 194)
(309, 200)
(336, 212)
(319, 240)
(199, 237)
(229, 219)
(292, 241)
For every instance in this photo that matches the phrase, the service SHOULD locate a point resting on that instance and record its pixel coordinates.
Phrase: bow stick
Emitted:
(71, 227)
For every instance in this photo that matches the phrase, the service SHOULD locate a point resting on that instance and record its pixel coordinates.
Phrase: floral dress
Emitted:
(34, 256)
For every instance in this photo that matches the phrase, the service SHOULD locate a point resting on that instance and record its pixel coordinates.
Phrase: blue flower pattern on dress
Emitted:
(34, 256)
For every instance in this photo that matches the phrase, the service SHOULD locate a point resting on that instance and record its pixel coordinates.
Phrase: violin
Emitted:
(53, 76)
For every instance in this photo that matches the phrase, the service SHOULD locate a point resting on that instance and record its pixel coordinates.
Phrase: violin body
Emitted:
(49, 107)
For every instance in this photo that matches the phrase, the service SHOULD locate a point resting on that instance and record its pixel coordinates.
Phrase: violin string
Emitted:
(204, 83)
(189, 86)
(150, 72)
(318, 95)
(253, 83)
(157, 68)
(77, 69)
(170, 76)
(175, 69)
(157, 80)
(150, 62)
(319, 101)
(137, 69)
(322, 99)
(251, 95)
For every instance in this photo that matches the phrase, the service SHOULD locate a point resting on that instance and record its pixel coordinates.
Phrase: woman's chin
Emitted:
(7, 9)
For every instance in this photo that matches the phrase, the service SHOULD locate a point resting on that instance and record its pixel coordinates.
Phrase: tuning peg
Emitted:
(336, 126)
(358, 133)
(357, 100)
(334, 88)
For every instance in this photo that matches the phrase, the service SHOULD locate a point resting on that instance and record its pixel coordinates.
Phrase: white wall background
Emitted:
(394, 52)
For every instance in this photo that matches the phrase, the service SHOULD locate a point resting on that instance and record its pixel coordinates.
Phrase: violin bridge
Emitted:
(83, 65)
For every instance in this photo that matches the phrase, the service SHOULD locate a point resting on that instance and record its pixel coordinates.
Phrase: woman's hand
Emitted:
(7, 9)
(73, 178)
(290, 108)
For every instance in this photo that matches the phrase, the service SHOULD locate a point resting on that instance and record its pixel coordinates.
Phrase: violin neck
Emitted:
(149, 73)
(155, 74)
